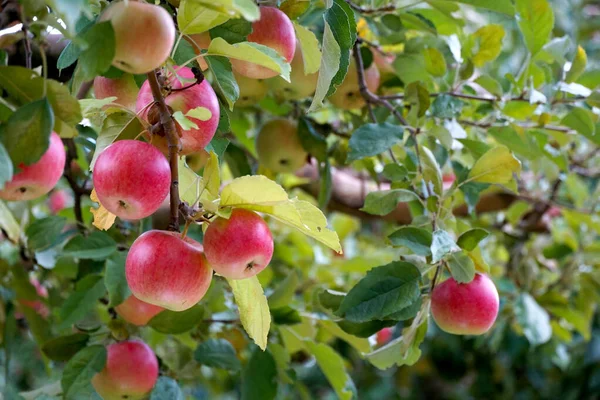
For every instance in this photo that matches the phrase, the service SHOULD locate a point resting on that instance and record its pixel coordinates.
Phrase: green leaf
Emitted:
(577, 66)
(385, 290)
(523, 144)
(395, 172)
(330, 64)
(79, 371)
(82, 301)
(373, 139)
(434, 62)
(386, 201)
(175, 322)
(432, 174)
(309, 45)
(63, 348)
(8, 223)
(259, 378)
(223, 78)
(446, 106)
(534, 320)
(536, 20)
(285, 315)
(332, 365)
(253, 308)
(284, 292)
(294, 8)
(416, 239)
(6, 166)
(410, 68)
(360, 344)
(441, 244)
(232, 31)
(313, 142)
(461, 267)
(582, 121)
(115, 281)
(217, 353)
(117, 126)
(340, 19)
(45, 233)
(471, 238)
(166, 389)
(490, 44)
(26, 134)
(497, 165)
(98, 56)
(490, 84)
(97, 246)
(501, 6)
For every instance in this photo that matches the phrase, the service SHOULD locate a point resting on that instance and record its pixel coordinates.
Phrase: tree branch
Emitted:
(365, 10)
(172, 136)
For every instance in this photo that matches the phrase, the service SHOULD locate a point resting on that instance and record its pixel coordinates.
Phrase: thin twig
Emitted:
(365, 10)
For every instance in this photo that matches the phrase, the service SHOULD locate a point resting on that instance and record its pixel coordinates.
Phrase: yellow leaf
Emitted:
(103, 219)
(211, 177)
(490, 44)
(261, 194)
(577, 66)
(360, 344)
(497, 165)
(197, 16)
(253, 308)
(435, 62)
(311, 55)
(9, 224)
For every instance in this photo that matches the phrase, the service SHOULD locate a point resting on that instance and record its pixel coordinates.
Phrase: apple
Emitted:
(252, 91)
(58, 201)
(166, 270)
(124, 89)
(300, 85)
(448, 180)
(202, 95)
(275, 30)
(383, 336)
(279, 147)
(384, 63)
(37, 305)
(130, 372)
(239, 247)
(137, 312)
(39, 178)
(197, 161)
(144, 35)
(200, 41)
(465, 308)
(347, 96)
(131, 179)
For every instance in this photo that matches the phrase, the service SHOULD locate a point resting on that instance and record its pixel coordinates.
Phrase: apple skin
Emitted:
(37, 305)
(347, 96)
(131, 179)
(465, 308)
(130, 372)
(200, 41)
(252, 91)
(137, 312)
(124, 89)
(58, 201)
(239, 247)
(383, 336)
(275, 30)
(279, 147)
(39, 178)
(144, 35)
(167, 271)
(384, 63)
(202, 95)
(300, 85)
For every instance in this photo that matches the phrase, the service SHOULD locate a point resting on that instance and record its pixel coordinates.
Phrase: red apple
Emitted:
(348, 96)
(130, 372)
(239, 247)
(448, 180)
(275, 30)
(131, 179)
(279, 147)
(124, 89)
(39, 178)
(384, 336)
(200, 41)
(165, 270)
(465, 308)
(37, 305)
(195, 139)
(137, 312)
(58, 201)
(144, 35)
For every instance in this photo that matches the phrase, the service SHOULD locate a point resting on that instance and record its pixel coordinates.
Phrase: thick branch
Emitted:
(172, 136)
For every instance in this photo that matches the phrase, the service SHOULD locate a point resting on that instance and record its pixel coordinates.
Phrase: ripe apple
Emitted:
(37, 305)
(144, 35)
(300, 85)
(39, 178)
(347, 96)
(200, 41)
(448, 180)
(279, 147)
(465, 308)
(165, 270)
(130, 372)
(383, 336)
(124, 89)
(239, 247)
(131, 179)
(252, 91)
(202, 95)
(275, 30)
(137, 312)
(197, 161)
(58, 201)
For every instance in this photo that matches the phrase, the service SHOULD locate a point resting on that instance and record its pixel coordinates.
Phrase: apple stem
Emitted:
(168, 124)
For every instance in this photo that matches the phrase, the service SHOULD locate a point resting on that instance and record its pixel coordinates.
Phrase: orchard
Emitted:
(299, 199)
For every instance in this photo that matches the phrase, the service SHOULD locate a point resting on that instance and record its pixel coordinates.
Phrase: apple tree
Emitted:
(299, 199)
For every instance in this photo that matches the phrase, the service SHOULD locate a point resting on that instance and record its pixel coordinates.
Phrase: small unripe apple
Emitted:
(130, 372)
(124, 89)
(165, 270)
(239, 247)
(465, 308)
(58, 201)
(252, 91)
(37, 305)
(300, 85)
(197, 161)
(200, 41)
(144, 35)
(131, 179)
(383, 336)
(137, 312)
(275, 30)
(279, 147)
(348, 96)
(39, 178)
(195, 139)
(384, 63)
